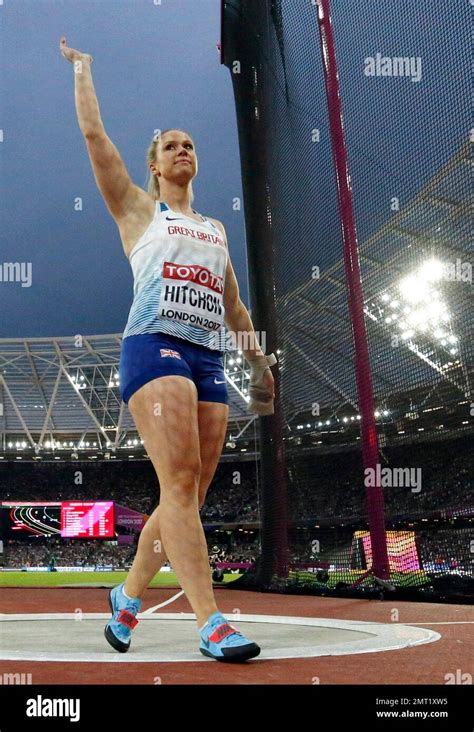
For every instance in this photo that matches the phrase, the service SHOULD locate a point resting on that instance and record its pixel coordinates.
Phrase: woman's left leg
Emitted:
(212, 418)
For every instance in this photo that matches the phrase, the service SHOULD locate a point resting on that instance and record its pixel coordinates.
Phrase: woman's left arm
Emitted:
(237, 317)
(239, 323)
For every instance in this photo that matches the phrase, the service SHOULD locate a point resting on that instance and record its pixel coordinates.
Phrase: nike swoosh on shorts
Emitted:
(219, 382)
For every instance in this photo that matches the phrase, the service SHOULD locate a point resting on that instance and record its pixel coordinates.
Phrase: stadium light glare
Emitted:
(413, 289)
(436, 308)
(432, 270)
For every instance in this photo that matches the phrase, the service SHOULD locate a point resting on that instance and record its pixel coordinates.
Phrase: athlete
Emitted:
(171, 363)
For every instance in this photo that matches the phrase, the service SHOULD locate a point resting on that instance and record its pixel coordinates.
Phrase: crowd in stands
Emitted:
(438, 549)
(134, 485)
(332, 486)
(325, 488)
(42, 552)
(320, 487)
(66, 553)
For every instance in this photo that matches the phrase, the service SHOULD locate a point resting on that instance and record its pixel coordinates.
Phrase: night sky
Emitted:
(157, 66)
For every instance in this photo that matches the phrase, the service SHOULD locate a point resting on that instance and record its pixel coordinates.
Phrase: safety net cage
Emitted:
(365, 469)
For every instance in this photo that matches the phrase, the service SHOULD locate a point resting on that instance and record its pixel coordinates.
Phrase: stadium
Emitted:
(342, 524)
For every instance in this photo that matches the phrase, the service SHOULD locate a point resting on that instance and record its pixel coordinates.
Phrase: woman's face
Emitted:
(176, 157)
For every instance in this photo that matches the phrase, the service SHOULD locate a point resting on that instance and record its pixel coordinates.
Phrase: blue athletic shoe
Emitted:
(119, 629)
(223, 642)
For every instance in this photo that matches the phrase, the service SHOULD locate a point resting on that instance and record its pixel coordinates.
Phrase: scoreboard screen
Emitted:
(21, 519)
(87, 519)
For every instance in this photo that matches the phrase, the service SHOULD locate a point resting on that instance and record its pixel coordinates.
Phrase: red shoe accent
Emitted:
(127, 619)
(221, 632)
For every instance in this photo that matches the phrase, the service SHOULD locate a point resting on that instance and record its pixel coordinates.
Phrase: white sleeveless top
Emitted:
(179, 267)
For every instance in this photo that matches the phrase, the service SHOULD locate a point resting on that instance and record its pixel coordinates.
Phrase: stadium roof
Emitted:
(56, 387)
(433, 232)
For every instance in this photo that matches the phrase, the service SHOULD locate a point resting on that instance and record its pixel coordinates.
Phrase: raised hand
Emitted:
(71, 54)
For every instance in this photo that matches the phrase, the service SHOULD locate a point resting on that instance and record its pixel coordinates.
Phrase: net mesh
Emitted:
(404, 84)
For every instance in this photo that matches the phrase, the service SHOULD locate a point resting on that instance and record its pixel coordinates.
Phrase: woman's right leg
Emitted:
(149, 558)
(165, 413)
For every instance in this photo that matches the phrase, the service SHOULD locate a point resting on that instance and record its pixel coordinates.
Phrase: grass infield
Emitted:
(94, 579)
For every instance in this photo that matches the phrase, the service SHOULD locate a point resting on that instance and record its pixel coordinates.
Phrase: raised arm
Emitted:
(111, 175)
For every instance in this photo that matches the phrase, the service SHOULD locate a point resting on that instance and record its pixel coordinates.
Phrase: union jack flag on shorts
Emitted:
(169, 352)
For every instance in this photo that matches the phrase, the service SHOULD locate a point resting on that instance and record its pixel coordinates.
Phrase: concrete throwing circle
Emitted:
(173, 637)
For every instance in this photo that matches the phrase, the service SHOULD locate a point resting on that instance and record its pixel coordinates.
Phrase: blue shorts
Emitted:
(147, 356)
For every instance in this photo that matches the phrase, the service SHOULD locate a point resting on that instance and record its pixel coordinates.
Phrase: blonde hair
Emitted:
(153, 184)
